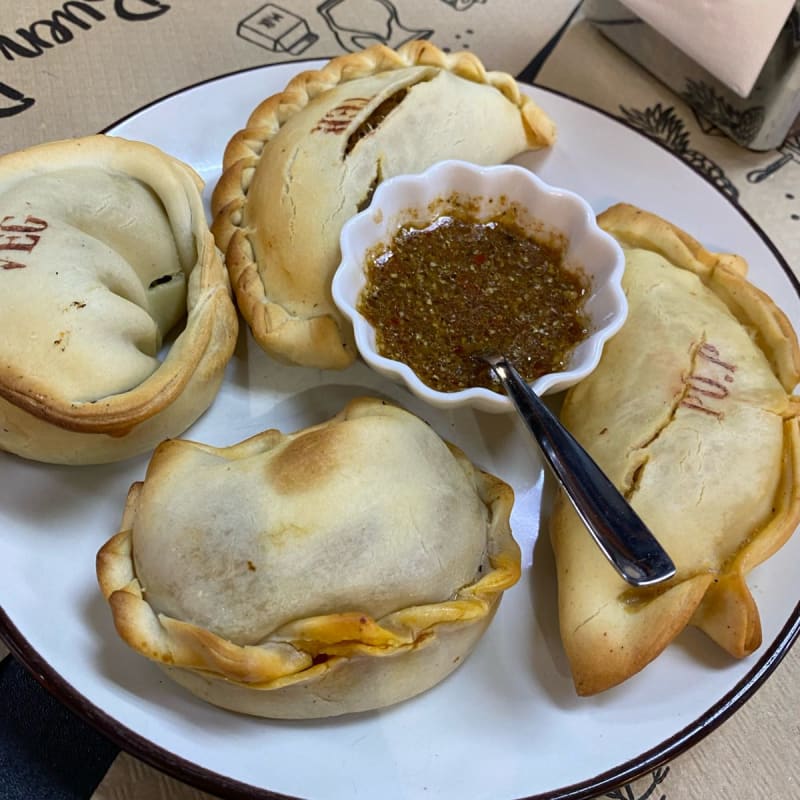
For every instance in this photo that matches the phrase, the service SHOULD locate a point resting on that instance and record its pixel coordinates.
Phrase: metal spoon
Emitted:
(622, 536)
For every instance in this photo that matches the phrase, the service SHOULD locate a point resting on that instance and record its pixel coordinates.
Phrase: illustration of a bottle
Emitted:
(358, 24)
(462, 5)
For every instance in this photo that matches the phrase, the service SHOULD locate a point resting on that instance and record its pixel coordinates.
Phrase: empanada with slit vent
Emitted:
(340, 568)
(690, 413)
(310, 158)
(105, 250)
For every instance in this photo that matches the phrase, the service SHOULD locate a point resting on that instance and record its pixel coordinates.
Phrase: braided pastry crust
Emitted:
(310, 157)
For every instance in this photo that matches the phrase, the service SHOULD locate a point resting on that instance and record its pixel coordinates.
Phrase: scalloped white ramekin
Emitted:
(408, 198)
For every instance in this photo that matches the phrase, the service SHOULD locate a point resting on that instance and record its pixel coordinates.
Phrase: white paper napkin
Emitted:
(729, 38)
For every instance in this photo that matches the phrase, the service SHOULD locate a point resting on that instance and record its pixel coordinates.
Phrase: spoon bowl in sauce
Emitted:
(619, 532)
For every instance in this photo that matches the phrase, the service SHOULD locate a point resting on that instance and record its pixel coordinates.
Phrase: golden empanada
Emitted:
(310, 158)
(690, 413)
(340, 568)
(104, 249)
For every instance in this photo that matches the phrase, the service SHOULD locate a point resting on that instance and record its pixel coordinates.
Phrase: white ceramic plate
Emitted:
(505, 725)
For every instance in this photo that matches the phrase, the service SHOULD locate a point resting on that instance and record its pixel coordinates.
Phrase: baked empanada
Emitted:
(310, 158)
(690, 413)
(104, 249)
(340, 568)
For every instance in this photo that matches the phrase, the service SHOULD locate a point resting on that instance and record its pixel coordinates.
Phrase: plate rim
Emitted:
(214, 782)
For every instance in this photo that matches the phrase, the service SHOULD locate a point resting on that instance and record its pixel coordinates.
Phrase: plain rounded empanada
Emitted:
(340, 568)
(105, 249)
(691, 415)
(310, 158)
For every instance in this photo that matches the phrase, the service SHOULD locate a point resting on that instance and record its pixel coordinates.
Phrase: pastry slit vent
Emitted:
(682, 396)
(636, 479)
(162, 280)
(367, 199)
(373, 121)
(694, 385)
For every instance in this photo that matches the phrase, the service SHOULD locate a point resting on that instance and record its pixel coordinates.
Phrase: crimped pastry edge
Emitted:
(731, 620)
(268, 116)
(204, 345)
(298, 655)
(724, 273)
(319, 341)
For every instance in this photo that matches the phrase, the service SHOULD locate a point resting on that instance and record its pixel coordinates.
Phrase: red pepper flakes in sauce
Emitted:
(441, 295)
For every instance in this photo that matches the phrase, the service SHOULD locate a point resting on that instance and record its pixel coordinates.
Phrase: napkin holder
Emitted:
(760, 121)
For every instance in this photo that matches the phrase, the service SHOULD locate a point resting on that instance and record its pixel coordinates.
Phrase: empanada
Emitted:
(340, 568)
(691, 415)
(310, 158)
(104, 249)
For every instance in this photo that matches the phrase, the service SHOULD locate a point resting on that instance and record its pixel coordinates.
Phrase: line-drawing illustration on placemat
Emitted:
(276, 29)
(665, 126)
(357, 24)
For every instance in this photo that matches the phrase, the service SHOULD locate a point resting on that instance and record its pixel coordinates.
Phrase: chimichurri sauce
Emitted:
(440, 296)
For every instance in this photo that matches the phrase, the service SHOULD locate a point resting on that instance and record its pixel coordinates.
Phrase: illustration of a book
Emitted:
(276, 29)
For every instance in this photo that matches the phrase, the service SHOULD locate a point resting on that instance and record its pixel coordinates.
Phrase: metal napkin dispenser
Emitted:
(760, 121)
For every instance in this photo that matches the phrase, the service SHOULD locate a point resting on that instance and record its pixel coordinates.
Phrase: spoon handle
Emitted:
(616, 527)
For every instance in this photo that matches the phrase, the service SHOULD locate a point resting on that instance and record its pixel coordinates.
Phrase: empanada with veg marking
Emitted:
(691, 415)
(105, 249)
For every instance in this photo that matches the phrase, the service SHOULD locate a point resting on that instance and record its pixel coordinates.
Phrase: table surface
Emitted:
(71, 69)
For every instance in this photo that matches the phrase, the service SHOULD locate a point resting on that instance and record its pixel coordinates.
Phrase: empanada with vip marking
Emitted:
(105, 250)
(310, 158)
(690, 413)
(340, 568)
